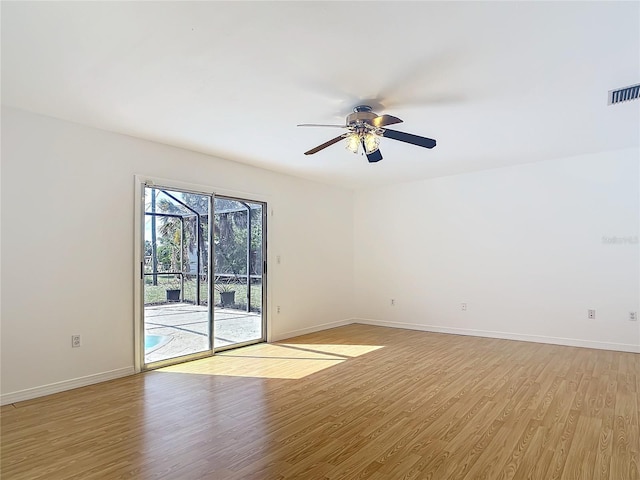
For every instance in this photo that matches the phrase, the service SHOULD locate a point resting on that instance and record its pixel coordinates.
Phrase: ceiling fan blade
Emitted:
(324, 145)
(319, 125)
(373, 156)
(384, 120)
(409, 138)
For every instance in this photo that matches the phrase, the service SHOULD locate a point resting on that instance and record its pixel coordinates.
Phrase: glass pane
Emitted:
(238, 238)
(176, 299)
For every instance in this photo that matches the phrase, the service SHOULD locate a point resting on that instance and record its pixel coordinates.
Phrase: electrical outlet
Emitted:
(76, 341)
(463, 307)
(633, 316)
(278, 309)
(393, 302)
(278, 259)
(591, 314)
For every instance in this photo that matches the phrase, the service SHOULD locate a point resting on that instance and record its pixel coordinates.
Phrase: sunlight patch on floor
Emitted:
(335, 349)
(284, 361)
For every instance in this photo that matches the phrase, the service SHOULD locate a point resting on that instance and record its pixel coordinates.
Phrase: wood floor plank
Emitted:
(351, 402)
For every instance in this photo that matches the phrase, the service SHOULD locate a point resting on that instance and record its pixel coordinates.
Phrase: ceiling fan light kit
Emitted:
(371, 142)
(365, 129)
(353, 143)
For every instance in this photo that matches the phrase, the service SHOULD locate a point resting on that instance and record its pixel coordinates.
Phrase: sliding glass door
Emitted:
(239, 262)
(177, 310)
(203, 274)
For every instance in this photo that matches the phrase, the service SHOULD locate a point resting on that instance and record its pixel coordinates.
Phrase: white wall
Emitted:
(67, 247)
(522, 246)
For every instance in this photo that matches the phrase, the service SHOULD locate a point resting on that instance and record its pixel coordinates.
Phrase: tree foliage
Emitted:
(230, 235)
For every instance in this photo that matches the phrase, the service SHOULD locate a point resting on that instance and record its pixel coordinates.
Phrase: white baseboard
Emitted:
(568, 342)
(316, 328)
(57, 387)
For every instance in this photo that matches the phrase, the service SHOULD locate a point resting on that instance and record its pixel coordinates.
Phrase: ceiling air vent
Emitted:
(624, 94)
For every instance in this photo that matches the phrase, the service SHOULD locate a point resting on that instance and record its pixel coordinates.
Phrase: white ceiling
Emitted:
(495, 83)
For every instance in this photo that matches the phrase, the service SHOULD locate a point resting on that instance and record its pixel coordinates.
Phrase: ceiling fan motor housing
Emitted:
(361, 114)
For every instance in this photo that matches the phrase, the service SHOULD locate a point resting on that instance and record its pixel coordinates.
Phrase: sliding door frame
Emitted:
(263, 313)
(140, 183)
(210, 307)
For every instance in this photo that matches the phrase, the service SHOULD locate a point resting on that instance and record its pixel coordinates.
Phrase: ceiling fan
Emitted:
(365, 128)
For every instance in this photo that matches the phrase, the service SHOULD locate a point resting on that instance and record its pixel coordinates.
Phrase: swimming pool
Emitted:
(154, 341)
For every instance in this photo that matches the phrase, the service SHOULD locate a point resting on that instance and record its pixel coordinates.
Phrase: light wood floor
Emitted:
(332, 406)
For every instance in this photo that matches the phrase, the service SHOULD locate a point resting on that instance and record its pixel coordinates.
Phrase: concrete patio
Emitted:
(177, 329)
